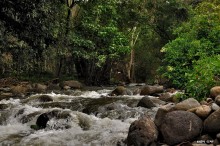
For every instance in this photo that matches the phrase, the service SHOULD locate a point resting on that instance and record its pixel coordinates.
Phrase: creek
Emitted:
(81, 118)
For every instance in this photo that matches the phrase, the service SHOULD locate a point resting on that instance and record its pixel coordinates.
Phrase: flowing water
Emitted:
(82, 118)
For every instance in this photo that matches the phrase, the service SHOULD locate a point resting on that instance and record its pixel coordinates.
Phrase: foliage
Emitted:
(197, 40)
(204, 75)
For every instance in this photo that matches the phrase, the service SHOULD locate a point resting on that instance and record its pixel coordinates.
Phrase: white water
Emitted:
(83, 129)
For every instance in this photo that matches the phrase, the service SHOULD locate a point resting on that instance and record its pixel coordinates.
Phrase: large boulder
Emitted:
(21, 89)
(120, 90)
(150, 90)
(212, 123)
(180, 126)
(72, 84)
(215, 91)
(142, 132)
(42, 121)
(161, 112)
(187, 104)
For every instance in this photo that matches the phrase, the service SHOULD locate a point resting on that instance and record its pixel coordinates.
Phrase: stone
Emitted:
(39, 88)
(142, 132)
(212, 123)
(166, 97)
(146, 102)
(215, 107)
(217, 100)
(215, 91)
(45, 98)
(218, 136)
(202, 111)
(187, 104)
(72, 84)
(161, 112)
(150, 90)
(42, 121)
(179, 126)
(6, 96)
(120, 90)
(20, 89)
(52, 87)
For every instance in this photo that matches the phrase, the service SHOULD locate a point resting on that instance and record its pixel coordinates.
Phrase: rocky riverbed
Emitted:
(68, 113)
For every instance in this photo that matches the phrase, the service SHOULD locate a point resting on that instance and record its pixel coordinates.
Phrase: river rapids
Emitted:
(82, 118)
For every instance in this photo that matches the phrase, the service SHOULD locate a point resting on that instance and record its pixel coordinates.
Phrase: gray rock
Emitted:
(161, 112)
(142, 132)
(179, 126)
(212, 123)
(217, 100)
(146, 102)
(150, 90)
(215, 107)
(187, 104)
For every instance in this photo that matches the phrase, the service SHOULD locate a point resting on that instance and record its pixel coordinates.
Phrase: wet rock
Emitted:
(142, 132)
(27, 118)
(42, 121)
(146, 102)
(52, 87)
(166, 97)
(4, 106)
(161, 112)
(212, 123)
(72, 84)
(45, 98)
(6, 96)
(217, 100)
(5, 89)
(150, 90)
(120, 90)
(202, 111)
(216, 142)
(215, 91)
(215, 107)
(179, 126)
(187, 104)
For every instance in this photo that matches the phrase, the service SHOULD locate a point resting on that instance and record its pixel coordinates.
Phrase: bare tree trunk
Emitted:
(131, 65)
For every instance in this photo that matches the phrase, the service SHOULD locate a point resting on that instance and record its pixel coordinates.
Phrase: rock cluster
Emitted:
(188, 122)
(12, 88)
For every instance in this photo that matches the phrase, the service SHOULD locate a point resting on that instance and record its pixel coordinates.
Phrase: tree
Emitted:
(197, 41)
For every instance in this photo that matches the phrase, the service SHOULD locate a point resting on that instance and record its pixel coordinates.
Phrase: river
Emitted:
(81, 118)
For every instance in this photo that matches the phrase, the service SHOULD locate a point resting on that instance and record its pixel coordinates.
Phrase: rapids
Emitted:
(82, 118)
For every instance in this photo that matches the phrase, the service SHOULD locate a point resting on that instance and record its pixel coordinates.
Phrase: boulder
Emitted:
(187, 104)
(52, 87)
(72, 84)
(217, 100)
(45, 98)
(149, 102)
(179, 126)
(166, 97)
(202, 111)
(212, 123)
(161, 112)
(142, 132)
(120, 90)
(146, 102)
(6, 96)
(42, 121)
(215, 107)
(20, 89)
(150, 90)
(215, 91)
(39, 88)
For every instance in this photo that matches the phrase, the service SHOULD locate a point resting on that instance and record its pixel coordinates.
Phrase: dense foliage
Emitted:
(192, 60)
